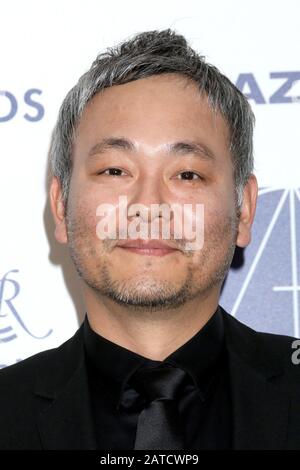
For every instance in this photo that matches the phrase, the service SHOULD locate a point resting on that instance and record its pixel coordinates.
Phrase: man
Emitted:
(157, 363)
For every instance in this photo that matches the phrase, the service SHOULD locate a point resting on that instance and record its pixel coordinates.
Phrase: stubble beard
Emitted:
(145, 293)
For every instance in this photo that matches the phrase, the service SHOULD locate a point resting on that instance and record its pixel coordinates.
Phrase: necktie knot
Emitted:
(159, 383)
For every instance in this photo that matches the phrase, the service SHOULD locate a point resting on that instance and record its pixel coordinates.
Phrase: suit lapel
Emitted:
(259, 397)
(260, 408)
(65, 421)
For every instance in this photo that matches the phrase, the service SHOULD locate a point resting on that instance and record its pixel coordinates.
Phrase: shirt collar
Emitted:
(113, 365)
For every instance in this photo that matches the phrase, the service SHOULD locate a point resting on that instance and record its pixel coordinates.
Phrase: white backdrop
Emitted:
(45, 47)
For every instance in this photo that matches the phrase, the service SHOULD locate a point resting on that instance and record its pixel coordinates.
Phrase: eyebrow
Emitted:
(177, 148)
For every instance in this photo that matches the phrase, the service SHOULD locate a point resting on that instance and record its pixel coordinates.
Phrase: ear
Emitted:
(58, 210)
(247, 212)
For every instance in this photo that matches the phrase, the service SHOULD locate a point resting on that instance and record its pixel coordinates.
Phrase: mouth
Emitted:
(148, 248)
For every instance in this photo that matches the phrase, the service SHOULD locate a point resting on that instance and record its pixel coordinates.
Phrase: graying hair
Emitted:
(147, 54)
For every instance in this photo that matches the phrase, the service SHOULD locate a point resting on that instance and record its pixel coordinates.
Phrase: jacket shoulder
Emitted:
(272, 348)
(28, 387)
(24, 373)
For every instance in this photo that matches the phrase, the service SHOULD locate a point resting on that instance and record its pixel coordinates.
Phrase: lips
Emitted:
(144, 244)
(148, 247)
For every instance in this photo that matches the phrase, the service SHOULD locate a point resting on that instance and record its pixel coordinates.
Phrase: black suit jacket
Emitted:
(45, 404)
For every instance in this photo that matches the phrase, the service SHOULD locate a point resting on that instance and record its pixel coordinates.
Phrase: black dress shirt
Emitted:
(205, 406)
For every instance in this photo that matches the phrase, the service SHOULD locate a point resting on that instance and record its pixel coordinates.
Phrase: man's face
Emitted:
(151, 113)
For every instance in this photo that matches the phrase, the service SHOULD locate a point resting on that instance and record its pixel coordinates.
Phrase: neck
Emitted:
(151, 334)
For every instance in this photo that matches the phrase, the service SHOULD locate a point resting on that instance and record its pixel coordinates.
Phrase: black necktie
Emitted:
(159, 425)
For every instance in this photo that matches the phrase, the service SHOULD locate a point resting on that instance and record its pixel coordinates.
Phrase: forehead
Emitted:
(153, 110)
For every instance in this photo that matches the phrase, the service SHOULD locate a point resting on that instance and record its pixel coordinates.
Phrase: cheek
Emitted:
(96, 218)
(220, 205)
(82, 215)
(219, 225)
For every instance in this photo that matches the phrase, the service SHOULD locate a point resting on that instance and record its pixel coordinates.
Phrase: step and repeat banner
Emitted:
(45, 47)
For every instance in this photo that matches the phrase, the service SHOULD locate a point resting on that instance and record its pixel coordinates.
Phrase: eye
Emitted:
(190, 176)
(113, 172)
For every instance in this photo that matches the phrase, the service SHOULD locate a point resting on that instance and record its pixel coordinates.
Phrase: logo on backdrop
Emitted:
(264, 290)
(282, 94)
(9, 105)
(12, 325)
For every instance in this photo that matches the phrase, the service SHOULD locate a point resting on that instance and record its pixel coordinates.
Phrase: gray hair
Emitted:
(147, 54)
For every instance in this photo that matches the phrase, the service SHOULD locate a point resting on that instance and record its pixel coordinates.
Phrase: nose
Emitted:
(147, 199)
